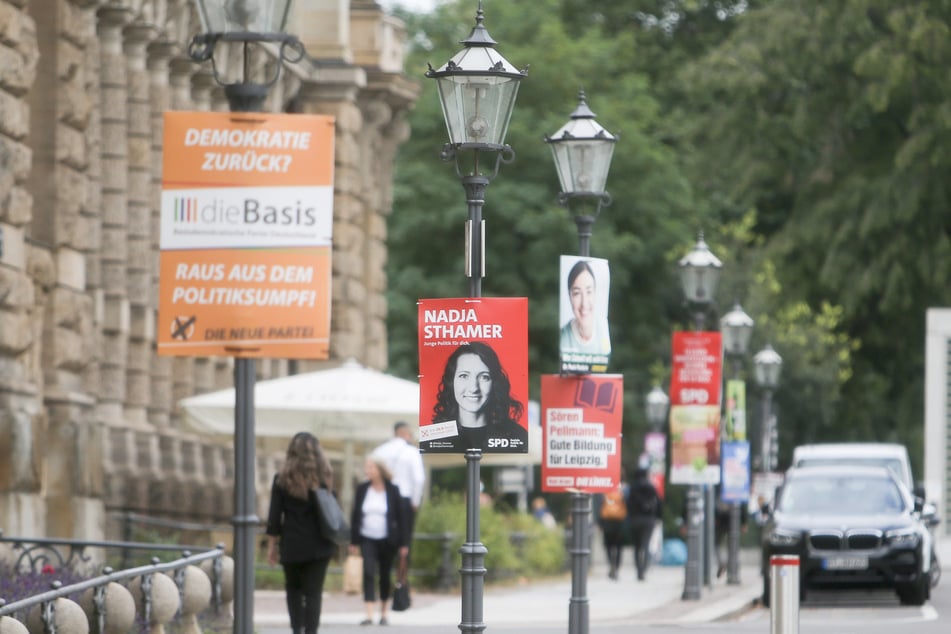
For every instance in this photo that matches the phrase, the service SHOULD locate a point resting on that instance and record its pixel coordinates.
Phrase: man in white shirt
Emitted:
(406, 466)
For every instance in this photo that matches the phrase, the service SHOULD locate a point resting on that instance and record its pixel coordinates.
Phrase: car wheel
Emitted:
(915, 593)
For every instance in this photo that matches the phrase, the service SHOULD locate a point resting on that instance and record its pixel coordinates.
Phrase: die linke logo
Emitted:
(250, 211)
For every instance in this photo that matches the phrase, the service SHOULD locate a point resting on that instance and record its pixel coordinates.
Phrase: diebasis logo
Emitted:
(185, 209)
(247, 217)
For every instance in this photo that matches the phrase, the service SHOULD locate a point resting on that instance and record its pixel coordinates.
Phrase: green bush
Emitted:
(518, 545)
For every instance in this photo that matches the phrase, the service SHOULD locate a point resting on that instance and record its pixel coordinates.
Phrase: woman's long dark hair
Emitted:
(499, 407)
(305, 466)
(580, 267)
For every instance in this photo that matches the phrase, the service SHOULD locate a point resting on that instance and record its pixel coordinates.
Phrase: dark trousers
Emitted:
(612, 532)
(304, 585)
(378, 555)
(641, 531)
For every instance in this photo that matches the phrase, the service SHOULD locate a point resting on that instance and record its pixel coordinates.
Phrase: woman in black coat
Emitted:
(292, 533)
(379, 528)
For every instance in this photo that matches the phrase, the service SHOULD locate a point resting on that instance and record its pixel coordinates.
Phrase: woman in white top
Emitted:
(379, 527)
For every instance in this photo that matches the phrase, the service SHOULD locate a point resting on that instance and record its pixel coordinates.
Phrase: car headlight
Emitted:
(907, 537)
(780, 537)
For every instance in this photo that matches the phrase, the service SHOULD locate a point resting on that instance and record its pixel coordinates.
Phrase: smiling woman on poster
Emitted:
(475, 394)
(586, 331)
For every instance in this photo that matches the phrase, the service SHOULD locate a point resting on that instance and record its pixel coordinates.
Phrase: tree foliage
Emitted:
(831, 121)
(652, 213)
(808, 139)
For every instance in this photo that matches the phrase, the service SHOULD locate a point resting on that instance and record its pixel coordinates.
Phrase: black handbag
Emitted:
(401, 596)
(332, 523)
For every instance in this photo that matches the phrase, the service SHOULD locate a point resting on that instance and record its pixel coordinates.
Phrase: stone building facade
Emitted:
(88, 416)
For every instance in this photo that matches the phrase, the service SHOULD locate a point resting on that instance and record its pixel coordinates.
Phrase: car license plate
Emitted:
(845, 563)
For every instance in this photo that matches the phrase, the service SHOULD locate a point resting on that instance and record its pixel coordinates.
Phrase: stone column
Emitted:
(174, 497)
(180, 98)
(91, 215)
(21, 422)
(382, 132)
(160, 97)
(336, 95)
(180, 83)
(203, 83)
(139, 275)
(114, 255)
(324, 28)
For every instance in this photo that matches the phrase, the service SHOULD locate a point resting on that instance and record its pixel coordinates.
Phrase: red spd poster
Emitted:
(473, 383)
(581, 431)
(695, 408)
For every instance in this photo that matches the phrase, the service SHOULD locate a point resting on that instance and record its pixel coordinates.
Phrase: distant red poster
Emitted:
(581, 432)
(695, 408)
(473, 383)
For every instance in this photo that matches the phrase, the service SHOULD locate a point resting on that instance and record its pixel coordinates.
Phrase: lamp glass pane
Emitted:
(736, 339)
(767, 366)
(699, 283)
(582, 164)
(762, 377)
(235, 16)
(477, 108)
(656, 410)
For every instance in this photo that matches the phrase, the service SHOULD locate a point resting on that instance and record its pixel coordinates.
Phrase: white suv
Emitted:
(869, 454)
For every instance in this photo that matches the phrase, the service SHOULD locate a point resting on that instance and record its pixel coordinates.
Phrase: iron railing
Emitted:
(38, 550)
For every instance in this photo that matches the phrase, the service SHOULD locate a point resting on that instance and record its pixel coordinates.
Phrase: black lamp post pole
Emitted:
(736, 327)
(245, 96)
(766, 431)
(473, 551)
(477, 90)
(768, 364)
(700, 271)
(693, 570)
(245, 518)
(579, 607)
(582, 150)
(733, 543)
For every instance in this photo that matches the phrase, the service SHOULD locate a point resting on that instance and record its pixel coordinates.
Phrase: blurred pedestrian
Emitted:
(612, 519)
(292, 534)
(643, 511)
(542, 514)
(380, 532)
(721, 531)
(404, 461)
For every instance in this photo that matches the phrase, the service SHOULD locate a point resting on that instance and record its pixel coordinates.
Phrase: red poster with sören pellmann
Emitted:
(581, 430)
(473, 383)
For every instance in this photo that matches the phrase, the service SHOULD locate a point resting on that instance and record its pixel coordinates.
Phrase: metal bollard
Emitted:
(784, 594)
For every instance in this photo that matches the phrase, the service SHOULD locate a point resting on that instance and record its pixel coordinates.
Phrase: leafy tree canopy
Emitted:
(808, 139)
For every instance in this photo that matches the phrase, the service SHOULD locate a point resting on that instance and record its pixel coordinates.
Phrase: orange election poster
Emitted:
(246, 228)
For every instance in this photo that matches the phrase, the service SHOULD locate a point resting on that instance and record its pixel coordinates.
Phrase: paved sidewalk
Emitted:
(546, 603)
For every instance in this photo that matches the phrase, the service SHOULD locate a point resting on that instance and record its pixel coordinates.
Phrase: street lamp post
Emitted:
(736, 327)
(657, 406)
(582, 150)
(244, 22)
(477, 89)
(699, 275)
(767, 365)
